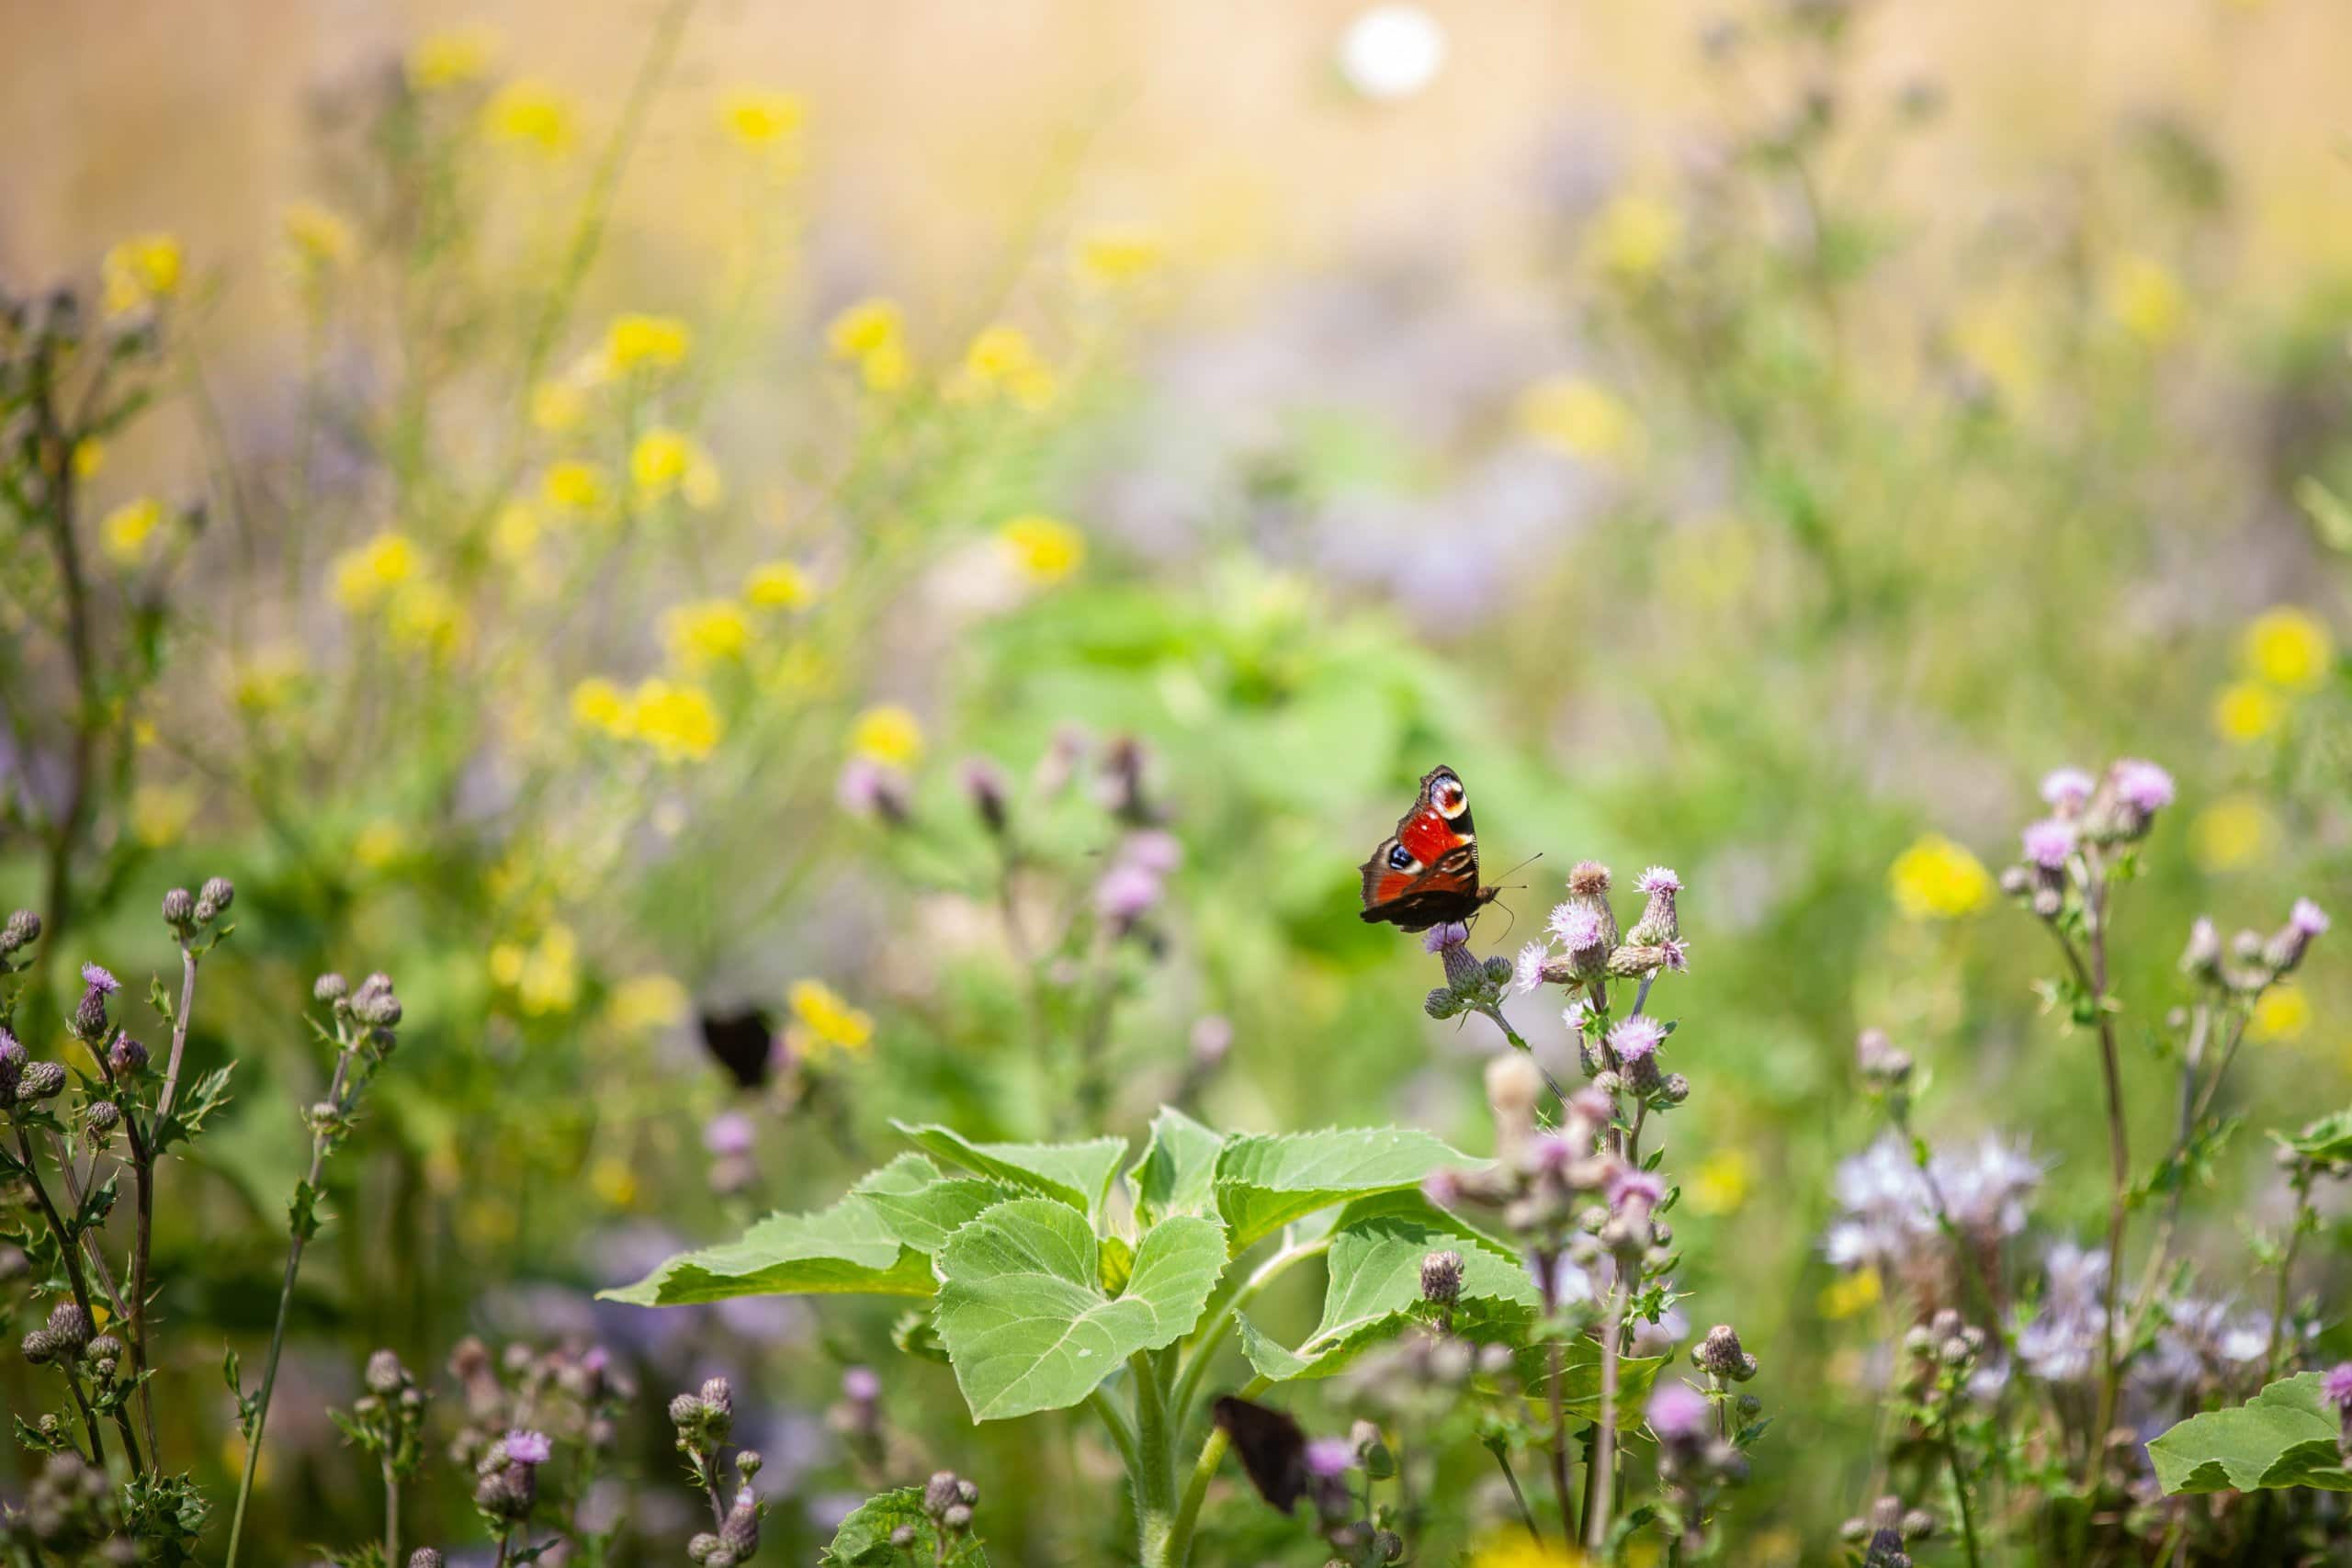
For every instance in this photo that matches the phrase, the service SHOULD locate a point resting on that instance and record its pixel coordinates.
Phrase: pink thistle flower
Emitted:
(2337, 1387)
(528, 1448)
(2312, 921)
(97, 979)
(2048, 844)
(1451, 934)
(729, 1133)
(2066, 789)
(1528, 973)
(1578, 925)
(1631, 1186)
(1328, 1456)
(1658, 879)
(1637, 1038)
(1678, 1412)
(2142, 785)
(1153, 850)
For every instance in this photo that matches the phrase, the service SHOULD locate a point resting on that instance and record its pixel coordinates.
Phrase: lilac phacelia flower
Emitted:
(1528, 973)
(2308, 917)
(2066, 789)
(1328, 1456)
(729, 1133)
(2337, 1387)
(97, 979)
(1445, 934)
(2142, 785)
(528, 1448)
(1637, 1038)
(2048, 842)
(1678, 1410)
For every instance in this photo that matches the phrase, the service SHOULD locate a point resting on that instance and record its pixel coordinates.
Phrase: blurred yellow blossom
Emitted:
(317, 240)
(268, 676)
(574, 486)
(677, 720)
(705, 632)
(613, 1182)
(2146, 300)
(424, 617)
(161, 812)
(558, 406)
(2288, 646)
(1936, 879)
(1044, 549)
(1001, 358)
(887, 734)
(1109, 257)
(140, 271)
(451, 59)
(365, 575)
(379, 845)
(646, 1002)
(827, 1018)
(2235, 830)
(129, 528)
(1851, 1294)
(1516, 1548)
(515, 533)
(2282, 1013)
(2246, 711)
(666, 461)
(1633, 236)
(89, 457)
(760, 118)
(526, 110)
(799, 670)
(863, 327)
(635, 342)
(778, 585)
(1578, 417)
(597, 704)
(545, 975)
(1722, 1182)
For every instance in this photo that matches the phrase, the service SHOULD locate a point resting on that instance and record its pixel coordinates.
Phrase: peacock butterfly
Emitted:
(1426, 871)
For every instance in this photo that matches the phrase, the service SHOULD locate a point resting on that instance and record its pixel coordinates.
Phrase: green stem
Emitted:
(392, 1514)
(1121, 1426)
(1960, 1490)
(1206, 1341)
(1154, 1470)
(1187, 1510)
(1511, 1477)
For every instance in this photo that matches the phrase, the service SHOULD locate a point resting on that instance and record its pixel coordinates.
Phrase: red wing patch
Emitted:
(1428, 873)
(1426, 836)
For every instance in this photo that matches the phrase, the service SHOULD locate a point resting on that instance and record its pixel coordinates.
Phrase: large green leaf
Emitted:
(2329, 1138)
(1077, 1174)
(1178, 1171)
(1024, 1314)
(863, 1539)
(1265, 1182)
(922, 1207)
(2285, 1435)
(845, 1250)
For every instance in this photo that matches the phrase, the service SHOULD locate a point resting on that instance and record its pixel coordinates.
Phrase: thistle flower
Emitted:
(97, 979)
(1126, 894)
(528, 1448)
(1722, 1354)
(2066, 790)
(1448, 933)
(860, 1385)
(2337, 1387)
(1638, 1038)
(1528, 972)
(2286, 950)
(1211, 1040)
(729, 1132)
(868, 788)
(2049, 843)
(1883, 1066)
(1584, 934)
(1659, 924)
(1441, 1278)
(1677, 1413)
(1330, 1457)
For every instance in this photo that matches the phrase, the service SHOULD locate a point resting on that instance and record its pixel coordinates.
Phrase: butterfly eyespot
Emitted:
(1448, 798)
(1400, 858)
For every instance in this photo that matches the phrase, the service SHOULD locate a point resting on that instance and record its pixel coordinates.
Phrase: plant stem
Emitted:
(1154, 1471)
(1510, 1478)
(1959, 1489)
(1206, 1341)
(392, 1514)
(2285, 1271)
(1556, 1357)
(1604, 1462)
(98, 1261)
(2092, 978)
(1187, 1510)
(1117, 1422)
(69, 1254)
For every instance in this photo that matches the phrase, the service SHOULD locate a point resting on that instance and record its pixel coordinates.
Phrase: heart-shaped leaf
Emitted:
(1265, 1182)
(845, 1249)
(1076, 1174)
(1178, 1170)
(2285, 1435)
(922, 1207)
(1022, 1312)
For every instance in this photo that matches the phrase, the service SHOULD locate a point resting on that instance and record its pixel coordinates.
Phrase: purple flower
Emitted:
(1592, 1105)
(860, 1385)
(729, 1133)
(1578, 925)
(1677, 956)
(1678, 1412)
(2308, 917)
(1631, 1186)
(1328, 1456)
(1451, 934)
(1153, 850)
(2048, 844)
(1551, 1153)
(2337, 1387)
(1442, 1188)
(1657, 879)
(866, 788)
(2066, 789)
(2142, 785)
(528, 1448)
(1528, 973)
(98, 979)
(1126, 893)
(1637, 1038)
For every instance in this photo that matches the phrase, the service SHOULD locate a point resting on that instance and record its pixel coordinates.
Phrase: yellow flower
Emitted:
(529, 111)
(317, 240)
(597, 704)
(424, 617)
(1722, 1182)
(799, 670)
(141, 271)
(1110, 257)
(2288, 648)
(1046, 549)
(666, 460)
(1937, 879)
(558, 406)
(706, 632)
(379, 845)
(1633, 236)
(367, 575)
(1578, 417)
(1516, 1548)
(268, 678)
(1851, 1294)
(887, 734)
(646, 1002)
(89, 457)
(658, 343)
(2146, 300)
(868, 325)
(2235, 830)
(678, 721)
(515, 533)
(778, 585)
(451, 59)
(127, 528)
(762, 119)
(2246, 711)
(1001, 359)
(829, 1021)
(161, 812)
(613, 1181)
(888, 368)
(544, 977)
(2282, 1013)
(575, 486)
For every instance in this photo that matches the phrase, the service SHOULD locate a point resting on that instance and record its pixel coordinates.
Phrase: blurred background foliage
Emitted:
(605, 481)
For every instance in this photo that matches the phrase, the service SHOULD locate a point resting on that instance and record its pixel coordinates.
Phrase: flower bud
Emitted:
(22, 930)
(2286, 950)
(904, 1537)
(426, 1557)
(1659, 924)
(749, 1462)
(99, 1119)
(40, 1347)
(179, 910)
(40, 1081)
(126, 1057)
(385, 1374)
(219, 892)
(2201, 959)
(700, 1546)
(70, 1324)
(89, 1023)
(1721, 1354)
(1514, 1083)
(958, 1517)
(939, 1494)
(329, 988)
(686, 1410)
(1441, 1278)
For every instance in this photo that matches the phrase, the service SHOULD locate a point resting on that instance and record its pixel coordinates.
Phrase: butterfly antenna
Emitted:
(1524, 865)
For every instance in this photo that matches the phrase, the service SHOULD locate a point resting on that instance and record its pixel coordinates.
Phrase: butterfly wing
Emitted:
(741, 1043)
(1273, 1448)
(1426, 871)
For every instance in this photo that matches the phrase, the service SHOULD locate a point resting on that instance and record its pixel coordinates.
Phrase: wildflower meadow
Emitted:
(1542, 786)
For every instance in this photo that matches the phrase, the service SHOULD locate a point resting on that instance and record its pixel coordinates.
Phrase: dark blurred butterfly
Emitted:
(741, 1043)
(1426, 871)
(1273, 1448)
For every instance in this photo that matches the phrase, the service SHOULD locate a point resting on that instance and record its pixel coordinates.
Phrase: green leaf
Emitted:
(2328, 1139)
(2330, 518)
(1265, 1182)
(1178, 1171)
(922, 1207)
(1024, 1314)
(845, 1250)
(1076, 1174)
(864, 1539)
(2285, 1435)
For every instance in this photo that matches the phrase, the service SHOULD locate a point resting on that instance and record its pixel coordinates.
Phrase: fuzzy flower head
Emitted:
(2142, 785)
(729, 1133)
(1678, 1410)
(2337, 1387)
(2308, 918)
(1658, 879)
(1638, 1038)
(1629, 1187)
(528, 1448)
(1577, 926)
(2048, 844)
(2067, 789)
(1451, 934)
(1528, 973)
(1329, 1457)
(97, 979)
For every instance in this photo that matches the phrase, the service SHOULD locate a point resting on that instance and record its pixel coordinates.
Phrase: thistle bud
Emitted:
(126, 1057)
(700, 1546)
(740, 1533)
(426, 1557)
(1721, 1354)
(2285, 950)
(40, 1347)
(329, 988)
(719, 1397)
(22, 930)
(904, 1537)
(686, 1410)
(99, 1119)
(1883, 1066)
(70, 1325)
(1657, 925)
(2201, 959)
(958, 1517)
(1441, 1278)
(89, 1023)
(984, 787)
(219, 892)
(385, 1374)
(1675, 1089)
(40, 1081)
(939, 1494)
(749, 1462)
(179, 910)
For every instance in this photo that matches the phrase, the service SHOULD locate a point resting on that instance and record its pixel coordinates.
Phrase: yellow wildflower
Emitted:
(1633, 236)
(829, 1021)
(706, 632)
(2146, 300)
(666, 460)
(863, 327)
(1722, 1183)
(641, 341)
(1581, 418)
(1516, 1549)
(597, 704)
(515, 533)
(2235, 830)
(317, 240)
(760, 118)
(886, 369)
(887, 734)
(129, 528)
(1937, 879)
(529, 111)
(646, 1002)
(1851, 1294)
(367, 575)
(451, 59)
(424, 617)
(1001, 358)
(268, 678)
(558, 406)
(1046, 549)
(379, 845)
(2288, 648)
(89, 457)
(544, 976)
(678, 721)
(141, 271)
(161, 812)
(2246, 711)
(1110, 257)
(613, 1181)
(778, 585)
(575, 486)
(2282, 1013)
